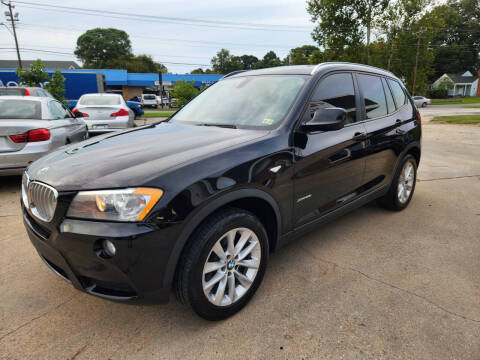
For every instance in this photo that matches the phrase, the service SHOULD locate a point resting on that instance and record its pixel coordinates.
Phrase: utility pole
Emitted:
(416, 63)
(13, 19)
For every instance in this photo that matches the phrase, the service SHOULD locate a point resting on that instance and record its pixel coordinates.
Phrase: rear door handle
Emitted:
(359, 136)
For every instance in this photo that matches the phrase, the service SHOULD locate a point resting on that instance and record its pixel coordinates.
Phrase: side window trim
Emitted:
(355, 89)
(386, 89)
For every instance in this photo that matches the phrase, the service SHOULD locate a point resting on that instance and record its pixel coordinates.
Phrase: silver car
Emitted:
(105, 112)
(31, 127)
(421, 101)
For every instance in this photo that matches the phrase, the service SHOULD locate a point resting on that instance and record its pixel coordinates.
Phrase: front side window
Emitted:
(20, 109)
(99, 100)
(398, 93)
(336, 91)
(251, 101)
(57, 110)
(373, 96)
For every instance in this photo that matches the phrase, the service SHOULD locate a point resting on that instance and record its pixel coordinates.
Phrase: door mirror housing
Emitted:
(326, 119)
(78, 114)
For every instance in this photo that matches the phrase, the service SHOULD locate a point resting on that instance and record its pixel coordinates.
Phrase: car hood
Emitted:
(132, 158)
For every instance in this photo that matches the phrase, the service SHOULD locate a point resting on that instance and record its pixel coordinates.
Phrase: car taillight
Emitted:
(31, 136)
(27, 93)
(76, 111)
(419, 117)
(121, 112)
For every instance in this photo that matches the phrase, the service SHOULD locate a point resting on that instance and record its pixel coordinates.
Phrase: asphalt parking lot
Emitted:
(373, 284)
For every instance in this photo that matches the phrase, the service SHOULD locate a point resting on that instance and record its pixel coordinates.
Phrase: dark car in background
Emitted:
(198, 203)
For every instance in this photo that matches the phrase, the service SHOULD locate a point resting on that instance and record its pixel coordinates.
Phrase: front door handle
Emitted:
(359, 136)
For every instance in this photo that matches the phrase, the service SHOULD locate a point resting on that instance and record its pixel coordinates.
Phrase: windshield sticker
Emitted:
(268, 121)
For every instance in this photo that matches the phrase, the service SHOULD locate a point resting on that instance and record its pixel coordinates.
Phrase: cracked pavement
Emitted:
(373, 284)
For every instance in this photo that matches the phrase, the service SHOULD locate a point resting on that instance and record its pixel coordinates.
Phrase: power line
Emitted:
(179, 20)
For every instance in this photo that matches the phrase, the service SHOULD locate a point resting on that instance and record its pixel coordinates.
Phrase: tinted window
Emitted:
(99, 100)
(373, 96)
(336, 91)
(388, 95)
(12, 91)
(149, 97)
(20, 109)
(57, 110)
(398, 93)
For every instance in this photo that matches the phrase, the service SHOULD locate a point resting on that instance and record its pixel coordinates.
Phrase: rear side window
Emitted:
(20, 109)
(398, 92)
(336, 91)
(373, 96)
(388, 95)
(149, 97)
(12, 92)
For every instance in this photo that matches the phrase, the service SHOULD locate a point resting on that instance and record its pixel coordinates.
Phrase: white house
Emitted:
(465, 84)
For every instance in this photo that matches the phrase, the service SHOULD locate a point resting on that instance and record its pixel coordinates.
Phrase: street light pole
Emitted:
(13, 19)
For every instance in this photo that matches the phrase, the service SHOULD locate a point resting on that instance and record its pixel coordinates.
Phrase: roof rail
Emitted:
(315, 69)
(234, 73)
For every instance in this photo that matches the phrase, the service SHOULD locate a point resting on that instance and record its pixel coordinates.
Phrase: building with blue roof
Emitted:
(134, 84)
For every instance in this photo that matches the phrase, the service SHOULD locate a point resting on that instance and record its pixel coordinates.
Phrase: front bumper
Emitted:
(70, 249)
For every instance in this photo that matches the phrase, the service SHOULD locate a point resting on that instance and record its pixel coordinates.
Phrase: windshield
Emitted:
(20, 109)
(244, 101)
(99, 100)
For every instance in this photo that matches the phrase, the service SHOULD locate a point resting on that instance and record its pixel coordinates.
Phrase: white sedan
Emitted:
(421, 101)
(105, 112)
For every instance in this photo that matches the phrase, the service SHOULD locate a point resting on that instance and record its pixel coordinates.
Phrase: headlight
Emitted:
(117, 205)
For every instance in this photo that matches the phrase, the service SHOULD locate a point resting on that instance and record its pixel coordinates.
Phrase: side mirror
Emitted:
(326, 119)
(78, 114)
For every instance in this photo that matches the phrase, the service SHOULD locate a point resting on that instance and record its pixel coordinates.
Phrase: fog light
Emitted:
(108, 248)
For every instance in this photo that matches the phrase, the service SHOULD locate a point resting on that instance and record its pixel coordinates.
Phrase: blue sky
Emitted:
(167, 41)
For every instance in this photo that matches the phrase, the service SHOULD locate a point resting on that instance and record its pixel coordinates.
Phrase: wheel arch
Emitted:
(259, 202)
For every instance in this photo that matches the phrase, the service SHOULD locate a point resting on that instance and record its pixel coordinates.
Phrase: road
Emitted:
(373, 284)
(449, 110)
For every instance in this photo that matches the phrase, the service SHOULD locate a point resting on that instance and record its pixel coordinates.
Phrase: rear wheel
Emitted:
(223, 265)
(403, 185)
(424, 104)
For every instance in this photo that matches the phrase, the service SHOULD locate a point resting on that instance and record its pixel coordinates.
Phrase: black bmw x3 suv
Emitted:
(197, 203)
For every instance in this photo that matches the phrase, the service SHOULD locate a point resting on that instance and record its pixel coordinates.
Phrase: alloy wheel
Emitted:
(231, 266)
(405, 182)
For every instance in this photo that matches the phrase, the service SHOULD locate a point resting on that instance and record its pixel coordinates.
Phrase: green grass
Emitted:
(460, 119)
(465, 100)
(474, 106)
(156, 114)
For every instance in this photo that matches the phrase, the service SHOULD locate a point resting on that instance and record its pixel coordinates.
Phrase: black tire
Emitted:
(189, 275)
(424, 104)
(391, 199)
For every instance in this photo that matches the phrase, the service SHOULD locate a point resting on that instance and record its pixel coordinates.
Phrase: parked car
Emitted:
(136, 98)
(105, 112)
(31, 127)
(198, 203)
(164, 101)
(137, 107)
(24, 91)
(149, 100)
(421, 101)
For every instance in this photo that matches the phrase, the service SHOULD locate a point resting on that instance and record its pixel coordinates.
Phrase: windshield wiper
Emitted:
(228, 126)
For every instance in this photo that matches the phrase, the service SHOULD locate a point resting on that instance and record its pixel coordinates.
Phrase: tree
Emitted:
(224, 62)
(99, 48)
(302, 55)
(184, 92)
(56, 86)
(33, 75)
(248, 61)
(270, 59)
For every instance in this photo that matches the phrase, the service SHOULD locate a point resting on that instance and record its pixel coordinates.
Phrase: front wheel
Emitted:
(223, 265)
(424, 104)
(403, 185)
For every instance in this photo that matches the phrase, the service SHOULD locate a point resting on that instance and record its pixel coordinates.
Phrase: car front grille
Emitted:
(41, 200)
